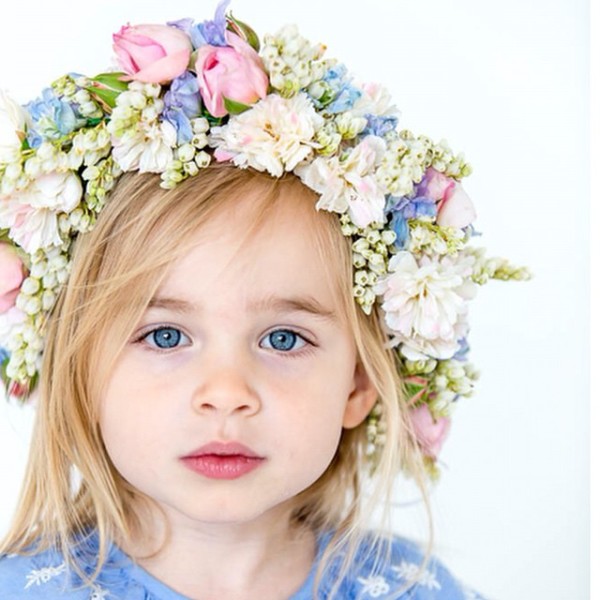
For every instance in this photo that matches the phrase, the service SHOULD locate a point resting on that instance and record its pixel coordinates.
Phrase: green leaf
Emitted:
(113, 81)
(244, 31)
(106, 96)
(233, 107)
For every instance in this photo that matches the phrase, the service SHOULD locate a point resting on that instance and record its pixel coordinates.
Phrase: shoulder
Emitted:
(32, 577)
(46, 576)
(402, 574)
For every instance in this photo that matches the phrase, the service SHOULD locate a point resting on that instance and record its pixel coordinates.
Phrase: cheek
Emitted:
(131, 425)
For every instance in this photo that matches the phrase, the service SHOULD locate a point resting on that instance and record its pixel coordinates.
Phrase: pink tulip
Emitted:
(152, 53)
(234, 72)
(12, 273)
(430, 434)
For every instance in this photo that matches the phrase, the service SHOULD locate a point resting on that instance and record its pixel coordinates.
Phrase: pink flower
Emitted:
(456, 210)
(12, 273)
(152, 53)
(430, 434)
(234, 72)
(454, 207)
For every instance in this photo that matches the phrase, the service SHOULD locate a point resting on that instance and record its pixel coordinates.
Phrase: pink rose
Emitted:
(234, 72)
(12, 273)
(454, 207)
(430, 434)
(152, 53)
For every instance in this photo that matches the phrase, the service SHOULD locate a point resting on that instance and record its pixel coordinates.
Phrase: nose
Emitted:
(225, 388)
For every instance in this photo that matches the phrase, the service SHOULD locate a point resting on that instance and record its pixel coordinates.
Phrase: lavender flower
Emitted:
(211, 32)
(182, 103)
(379, 125)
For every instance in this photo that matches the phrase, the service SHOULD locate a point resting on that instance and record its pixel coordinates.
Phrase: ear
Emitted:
(361, 400)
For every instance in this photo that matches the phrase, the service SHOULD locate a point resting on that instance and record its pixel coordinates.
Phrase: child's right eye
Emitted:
(165, 338)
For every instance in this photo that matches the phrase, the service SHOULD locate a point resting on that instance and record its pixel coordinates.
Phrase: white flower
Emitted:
(425, 303)
(148, 148)
(374, 100)
(409, 571)
(13, 122)
(31, 214)
(349, 183)
(275, 135)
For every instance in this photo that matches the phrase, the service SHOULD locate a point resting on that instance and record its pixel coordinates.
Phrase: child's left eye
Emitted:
(165, 338)
(283, 340)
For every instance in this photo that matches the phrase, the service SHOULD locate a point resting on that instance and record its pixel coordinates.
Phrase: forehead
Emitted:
(256, 246)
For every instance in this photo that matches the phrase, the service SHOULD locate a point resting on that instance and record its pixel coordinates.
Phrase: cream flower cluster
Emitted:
(191, 93)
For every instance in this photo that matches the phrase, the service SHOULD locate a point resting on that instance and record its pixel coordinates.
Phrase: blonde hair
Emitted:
(71, 486)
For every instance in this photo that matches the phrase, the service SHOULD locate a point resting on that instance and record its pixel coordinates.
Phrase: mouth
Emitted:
(218, 460)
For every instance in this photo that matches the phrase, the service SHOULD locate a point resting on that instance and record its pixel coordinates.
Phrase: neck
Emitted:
(268, 558)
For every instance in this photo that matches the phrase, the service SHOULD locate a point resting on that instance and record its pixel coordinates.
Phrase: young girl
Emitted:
(220, 370)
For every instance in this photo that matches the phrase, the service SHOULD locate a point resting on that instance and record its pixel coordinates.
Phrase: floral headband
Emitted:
(188, 93)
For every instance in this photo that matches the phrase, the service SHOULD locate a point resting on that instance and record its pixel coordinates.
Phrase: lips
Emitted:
(218, 460)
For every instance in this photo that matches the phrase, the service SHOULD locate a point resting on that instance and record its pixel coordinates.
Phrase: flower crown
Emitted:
(188, 93)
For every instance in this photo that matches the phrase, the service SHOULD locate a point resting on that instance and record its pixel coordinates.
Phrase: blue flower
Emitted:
(4, 355)
(379, 125)
(182, 103)
(51, 118)
(463, 350)
(211, 32)
(400, 227)
(343, 94)
(345, 100)
(405, 208)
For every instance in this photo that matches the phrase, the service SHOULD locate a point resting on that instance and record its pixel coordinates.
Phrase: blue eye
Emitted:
(164, 338)
(284, 340)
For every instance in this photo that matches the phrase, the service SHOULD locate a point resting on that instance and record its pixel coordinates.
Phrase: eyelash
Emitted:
(306, 348)
(142, 338)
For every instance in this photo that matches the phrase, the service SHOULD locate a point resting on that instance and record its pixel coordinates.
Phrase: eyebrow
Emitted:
(306, 304)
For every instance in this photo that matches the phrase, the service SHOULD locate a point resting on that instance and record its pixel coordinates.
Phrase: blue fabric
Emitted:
(44, 576)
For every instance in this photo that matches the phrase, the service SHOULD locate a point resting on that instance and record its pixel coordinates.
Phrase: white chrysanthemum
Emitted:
(149, 148)
(425, 303)
(349, 184)
(31, 215)
(13, 121)
(275, 135)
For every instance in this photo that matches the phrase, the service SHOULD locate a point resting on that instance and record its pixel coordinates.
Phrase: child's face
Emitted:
(255, 354)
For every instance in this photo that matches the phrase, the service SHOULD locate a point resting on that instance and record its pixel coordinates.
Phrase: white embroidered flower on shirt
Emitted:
(98, 593)
(39, 576)
(408, 570)
(374, 585)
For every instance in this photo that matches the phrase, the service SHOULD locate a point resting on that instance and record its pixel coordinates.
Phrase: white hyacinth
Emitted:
(349, 184)
(425, 303)
(275, 136)
(141, 142)
(292, 62)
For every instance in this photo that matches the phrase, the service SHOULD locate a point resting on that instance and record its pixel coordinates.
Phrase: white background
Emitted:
(507, 84)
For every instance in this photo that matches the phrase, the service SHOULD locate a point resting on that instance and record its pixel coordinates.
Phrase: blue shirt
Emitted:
(44, 576)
